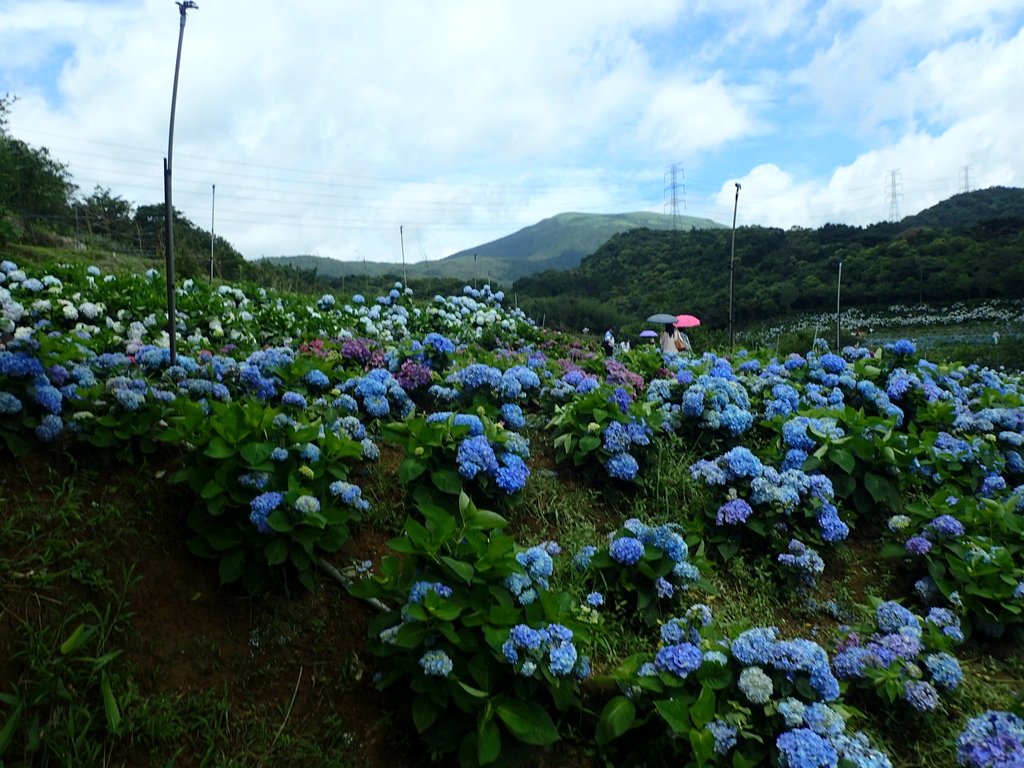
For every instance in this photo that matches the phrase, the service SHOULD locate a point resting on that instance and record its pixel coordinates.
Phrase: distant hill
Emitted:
(560, 242)
(969, 209)
(967, 248)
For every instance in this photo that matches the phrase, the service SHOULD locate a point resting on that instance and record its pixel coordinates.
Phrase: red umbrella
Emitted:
(686, 321)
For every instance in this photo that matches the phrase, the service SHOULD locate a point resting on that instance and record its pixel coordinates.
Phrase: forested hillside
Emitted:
(779, 272)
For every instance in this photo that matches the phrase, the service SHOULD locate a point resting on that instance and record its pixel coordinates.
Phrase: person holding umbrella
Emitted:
(672, 341)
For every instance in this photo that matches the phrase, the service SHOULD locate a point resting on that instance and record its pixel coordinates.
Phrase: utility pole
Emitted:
(405, 276)
(172, 328)
(213, 209)
(732, 262)
(672, 185)
(839, 284)
(894, 194)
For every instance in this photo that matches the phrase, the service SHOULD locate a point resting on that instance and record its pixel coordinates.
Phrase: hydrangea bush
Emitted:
(275, 402)
(473, 628)
(752, 699)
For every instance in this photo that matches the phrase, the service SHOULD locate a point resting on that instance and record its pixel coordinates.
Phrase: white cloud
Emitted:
(328, 125)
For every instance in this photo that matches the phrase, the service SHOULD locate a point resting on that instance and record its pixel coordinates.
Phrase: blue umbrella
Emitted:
(662, 319)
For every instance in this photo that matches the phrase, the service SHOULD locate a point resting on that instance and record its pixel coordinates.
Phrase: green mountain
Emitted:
(969, 209)
(560, 242)
(967, 248)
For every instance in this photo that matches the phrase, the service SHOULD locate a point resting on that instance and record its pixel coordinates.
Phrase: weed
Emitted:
(62, 705)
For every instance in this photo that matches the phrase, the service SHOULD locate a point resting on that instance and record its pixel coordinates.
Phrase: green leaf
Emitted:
(211, 489)
(703, 743)
(484, 519)
(75, 640)
(231, 566)
(488, 742)
(410, 469)
(589, 443)
(844, 485)
(714, 676)
(110, 705)
(675, 712)
(476, 693)
(223, 538)
(703, 710)
(528, 721)
(10, 727)
(257, 453)
(844, 459)
(879, 487)
(739, 761)
(218, 449)
(276, 550)
(463, 570)
(447, 481)
(424, 712)
(616, 718)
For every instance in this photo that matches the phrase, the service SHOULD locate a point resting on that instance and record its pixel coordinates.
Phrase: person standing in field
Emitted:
(609, 342)
(672, 341)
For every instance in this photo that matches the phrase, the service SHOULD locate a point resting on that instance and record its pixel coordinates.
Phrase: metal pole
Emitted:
(172, 330)
(213, 209)
(405, 277)
(732, 261)
(839, 285)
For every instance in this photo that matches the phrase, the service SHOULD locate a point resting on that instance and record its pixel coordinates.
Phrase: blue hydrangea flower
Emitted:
(724, 735)
(664, 588)
(436, 663)
(792, 711)
(755, 646)
(803, 748)
(734, 512)
(49, 428)
(582, 558)
(891, 616)
(307, 505)
(921, 695)
(756, 685)
(420, 589)
(475, 455)
(679, 660)
(918, 545)
(626, 550)
(945, 670)
(261, 506)
(622, 466)
(293, 400)
(990, 740)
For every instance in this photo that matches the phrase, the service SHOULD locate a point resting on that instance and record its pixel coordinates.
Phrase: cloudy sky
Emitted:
(328, 124)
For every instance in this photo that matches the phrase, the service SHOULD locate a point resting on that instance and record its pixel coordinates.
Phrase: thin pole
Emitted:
(732, 261)
(172, 330)
(405, 277)
(213, 210)
(839, 284)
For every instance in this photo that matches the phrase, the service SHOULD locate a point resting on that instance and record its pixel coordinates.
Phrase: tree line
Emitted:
(40, 205)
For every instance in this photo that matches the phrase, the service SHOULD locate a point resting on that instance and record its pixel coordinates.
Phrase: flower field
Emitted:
(556, 557)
